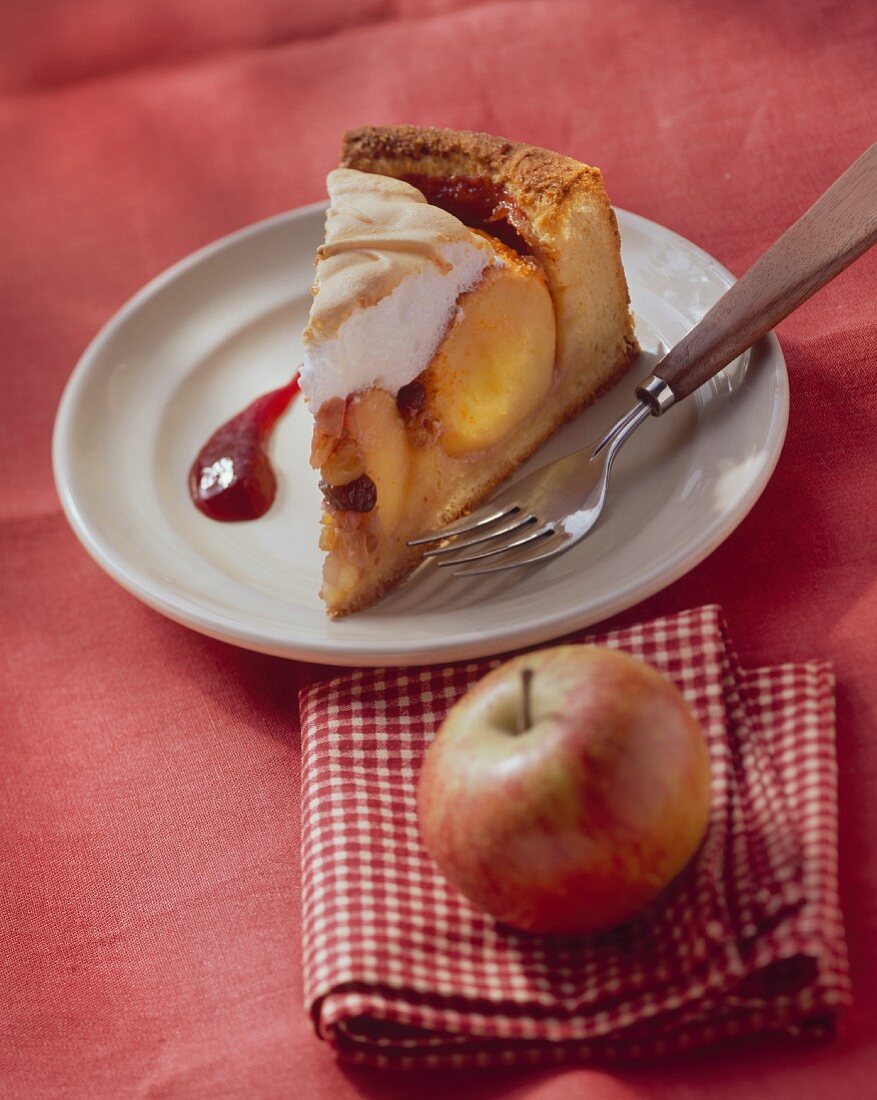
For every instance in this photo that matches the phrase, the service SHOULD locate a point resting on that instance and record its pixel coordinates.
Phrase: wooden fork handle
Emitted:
(836, 230)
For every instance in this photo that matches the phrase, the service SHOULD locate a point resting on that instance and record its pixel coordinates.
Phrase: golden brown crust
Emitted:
(541, 180)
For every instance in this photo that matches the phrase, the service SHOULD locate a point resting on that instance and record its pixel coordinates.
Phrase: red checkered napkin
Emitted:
(401, 971)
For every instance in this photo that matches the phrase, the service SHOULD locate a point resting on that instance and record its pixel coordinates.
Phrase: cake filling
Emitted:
(490, 372)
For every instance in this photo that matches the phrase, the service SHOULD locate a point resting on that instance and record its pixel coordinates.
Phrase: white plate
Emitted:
(206, 337)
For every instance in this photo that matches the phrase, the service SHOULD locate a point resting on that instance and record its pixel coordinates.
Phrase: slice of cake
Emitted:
(469, 299)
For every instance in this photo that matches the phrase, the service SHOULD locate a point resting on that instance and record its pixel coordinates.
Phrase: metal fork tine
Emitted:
(506, 546)
(558, 505)
(519, 520)
(480, 518)
(551, 547)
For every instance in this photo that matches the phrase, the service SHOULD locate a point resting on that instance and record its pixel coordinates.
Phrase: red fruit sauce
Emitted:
(479, 203)
(232, 478)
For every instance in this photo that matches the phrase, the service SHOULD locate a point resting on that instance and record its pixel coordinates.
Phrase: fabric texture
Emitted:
(150, 930)
(401, 971)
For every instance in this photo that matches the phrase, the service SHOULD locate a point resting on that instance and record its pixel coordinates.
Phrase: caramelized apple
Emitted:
(375, 424)
(345, 463)
(497, 361)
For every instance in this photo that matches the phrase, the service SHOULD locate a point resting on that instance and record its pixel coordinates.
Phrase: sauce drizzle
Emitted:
(232, 478)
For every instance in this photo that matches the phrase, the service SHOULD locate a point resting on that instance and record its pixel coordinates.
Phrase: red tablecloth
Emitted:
(149, 875)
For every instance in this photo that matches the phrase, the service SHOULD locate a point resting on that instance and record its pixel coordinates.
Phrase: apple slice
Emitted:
(378, 430)
(496, 362)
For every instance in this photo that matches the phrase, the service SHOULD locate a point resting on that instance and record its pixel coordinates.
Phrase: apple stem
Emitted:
(526, 681)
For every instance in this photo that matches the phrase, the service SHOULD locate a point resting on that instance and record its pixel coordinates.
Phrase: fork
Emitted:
(552, 509)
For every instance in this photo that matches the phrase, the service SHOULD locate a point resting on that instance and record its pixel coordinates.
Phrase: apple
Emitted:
(566, 789)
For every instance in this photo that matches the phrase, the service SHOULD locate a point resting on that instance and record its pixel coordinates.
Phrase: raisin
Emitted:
(357, 496)
(411, 398)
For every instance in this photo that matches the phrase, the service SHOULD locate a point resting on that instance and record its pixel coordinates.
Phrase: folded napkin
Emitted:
(400, 971)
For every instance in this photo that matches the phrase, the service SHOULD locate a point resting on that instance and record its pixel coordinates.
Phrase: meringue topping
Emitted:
(387, 282)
